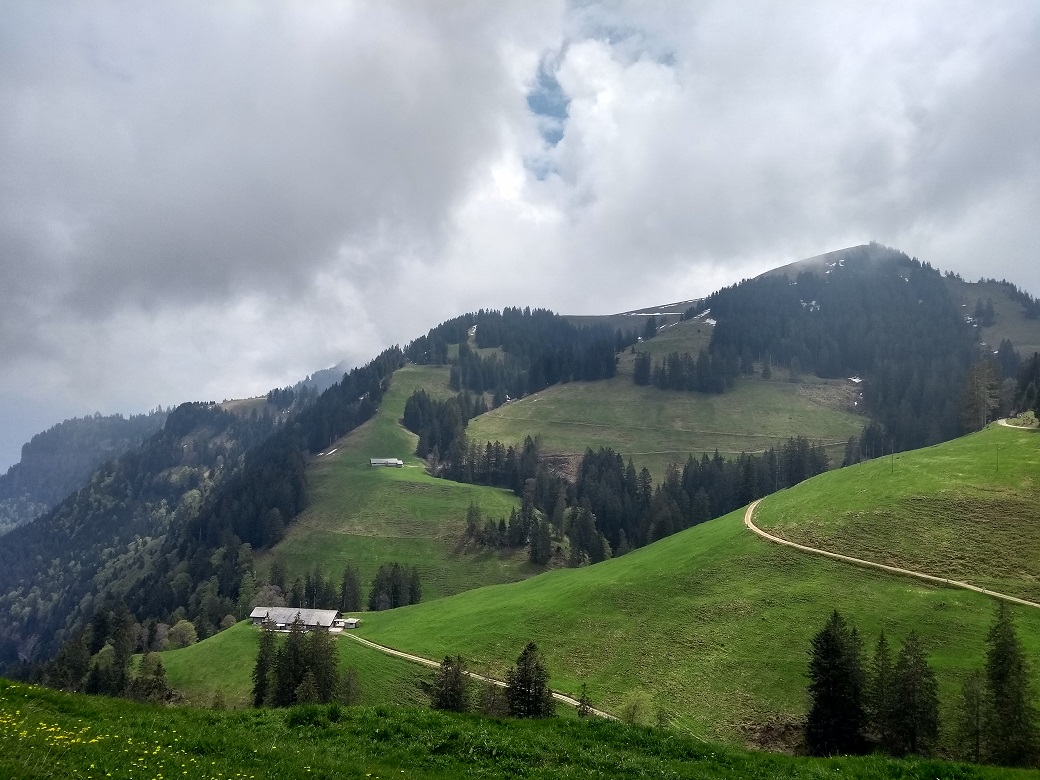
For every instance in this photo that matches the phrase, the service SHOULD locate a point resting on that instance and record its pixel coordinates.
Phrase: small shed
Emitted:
(395, 462)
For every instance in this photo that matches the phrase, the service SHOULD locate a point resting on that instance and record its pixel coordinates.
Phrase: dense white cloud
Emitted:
(207, 200)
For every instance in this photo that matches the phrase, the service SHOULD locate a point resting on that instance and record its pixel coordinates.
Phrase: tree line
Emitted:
(538, 348)
(610, 509)
(891, 702)
(393, 585)
(705, 373)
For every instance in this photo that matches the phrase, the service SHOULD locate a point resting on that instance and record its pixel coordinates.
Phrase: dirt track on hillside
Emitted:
(418, 659)
(748, 514)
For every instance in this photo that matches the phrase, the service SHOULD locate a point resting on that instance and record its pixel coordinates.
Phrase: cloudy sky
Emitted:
(204, 200)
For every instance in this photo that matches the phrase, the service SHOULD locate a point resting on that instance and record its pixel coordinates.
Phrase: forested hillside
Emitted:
(59, 460)
(166, 532)
(873, 313)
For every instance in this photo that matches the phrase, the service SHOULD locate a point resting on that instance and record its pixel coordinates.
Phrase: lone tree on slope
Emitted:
(451, 686)
(836, 717)
(527, 689)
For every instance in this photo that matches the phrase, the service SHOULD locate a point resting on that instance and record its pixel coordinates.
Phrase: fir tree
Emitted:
(321, 664)
(350, 590)
(290, 665)
(451, 686)
(1011, 737)
(307, 691)
(264, 667)
(349, 690)
(880, 694)
(836, 717)
(915, 715)
(527, 686)
(584, 702)
(971, 715)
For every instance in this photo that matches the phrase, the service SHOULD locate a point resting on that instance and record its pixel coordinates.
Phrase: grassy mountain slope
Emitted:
(712, 623)
(223, 664)
(47, 734)
(656, 427)
(966, 509)
(1010, 322)
(369, 516)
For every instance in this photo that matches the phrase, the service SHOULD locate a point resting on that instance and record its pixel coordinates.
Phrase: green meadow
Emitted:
(370, 516)
(48, 734)
(966, 510)
(709, 628)
(656, 427)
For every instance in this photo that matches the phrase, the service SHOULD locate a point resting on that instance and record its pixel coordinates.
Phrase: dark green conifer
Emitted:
(915, 714)
(836, 718)
(264, 667)
(1011, 736)
(451, 686)
(527, 686)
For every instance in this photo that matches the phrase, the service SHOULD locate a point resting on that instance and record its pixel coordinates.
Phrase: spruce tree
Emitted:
(880, 694)
(451, 686)
(527, 686)
(1011, 736)
(836, 717)
(915, 716)
(264, 667)
(290, 665)
(971, 714)
(322, 664)
(350, 590)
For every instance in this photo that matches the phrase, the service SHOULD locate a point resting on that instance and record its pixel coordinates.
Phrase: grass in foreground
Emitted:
(370, 516)
(966, 509)
(47, 734)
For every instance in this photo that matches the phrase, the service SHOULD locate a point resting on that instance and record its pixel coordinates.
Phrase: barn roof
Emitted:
(286, 615)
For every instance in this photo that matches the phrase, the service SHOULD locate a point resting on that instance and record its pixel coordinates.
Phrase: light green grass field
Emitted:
(713, 624)
(369, 516)
(48, 734)
(683, 337)
(224, 662)
(967, 509)
(656, 427)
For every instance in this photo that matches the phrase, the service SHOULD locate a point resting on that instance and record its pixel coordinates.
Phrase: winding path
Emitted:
(418, 659)
(748, 514)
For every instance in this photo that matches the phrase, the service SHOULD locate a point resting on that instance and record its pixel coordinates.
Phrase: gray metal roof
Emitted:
(286, 615)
